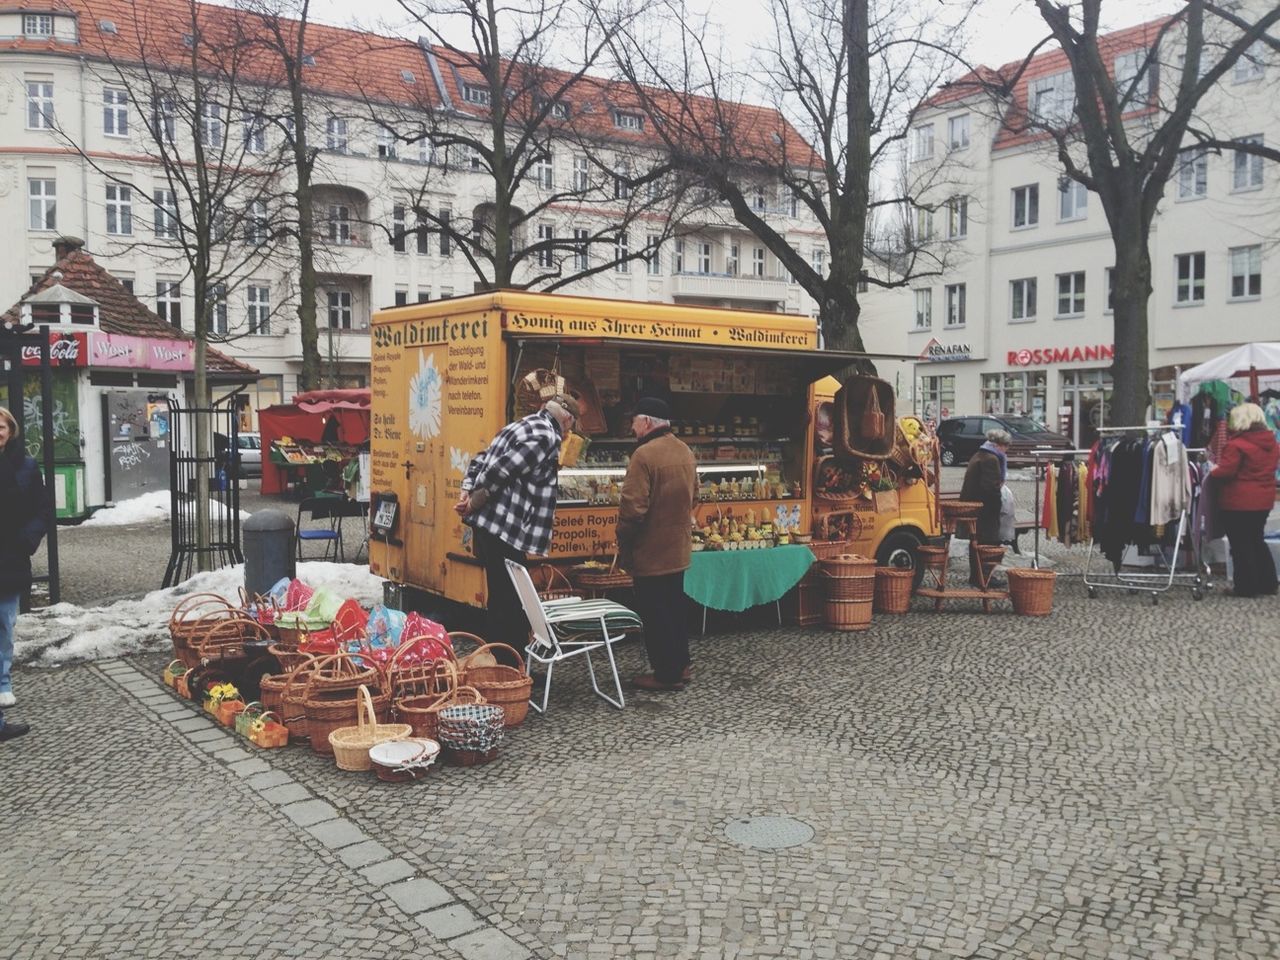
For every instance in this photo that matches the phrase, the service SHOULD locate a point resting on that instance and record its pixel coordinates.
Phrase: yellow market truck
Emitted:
(448, 375)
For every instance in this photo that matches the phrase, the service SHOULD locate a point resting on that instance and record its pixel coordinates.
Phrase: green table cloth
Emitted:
(736, 580)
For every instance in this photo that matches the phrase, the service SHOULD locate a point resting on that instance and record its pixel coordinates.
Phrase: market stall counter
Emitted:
(736, 580)
(312, 442)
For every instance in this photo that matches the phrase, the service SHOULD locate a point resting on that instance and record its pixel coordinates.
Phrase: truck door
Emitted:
(429, 507)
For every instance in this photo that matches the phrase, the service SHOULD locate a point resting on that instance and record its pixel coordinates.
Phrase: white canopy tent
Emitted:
(1256, 363)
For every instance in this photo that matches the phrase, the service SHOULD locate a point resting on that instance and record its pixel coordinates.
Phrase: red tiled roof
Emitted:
(1047, 64)
(119, 311)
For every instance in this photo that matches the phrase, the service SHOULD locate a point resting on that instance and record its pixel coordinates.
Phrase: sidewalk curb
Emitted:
(440, 911)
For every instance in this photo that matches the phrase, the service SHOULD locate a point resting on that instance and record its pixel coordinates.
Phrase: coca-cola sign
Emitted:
(65, 350)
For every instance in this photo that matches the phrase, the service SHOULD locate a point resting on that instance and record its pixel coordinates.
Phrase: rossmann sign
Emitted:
(1053, 355)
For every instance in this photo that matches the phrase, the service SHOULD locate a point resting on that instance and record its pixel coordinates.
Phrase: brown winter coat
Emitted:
(982, 482)
(659, 494)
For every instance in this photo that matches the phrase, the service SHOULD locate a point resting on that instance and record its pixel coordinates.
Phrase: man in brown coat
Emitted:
(983, 478)
(655, 518)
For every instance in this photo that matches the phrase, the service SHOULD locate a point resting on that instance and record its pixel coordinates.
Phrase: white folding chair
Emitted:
(585, 627)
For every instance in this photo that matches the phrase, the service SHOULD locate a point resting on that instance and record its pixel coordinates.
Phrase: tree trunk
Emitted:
(308, 331)
(1131, 293)
(203, 437)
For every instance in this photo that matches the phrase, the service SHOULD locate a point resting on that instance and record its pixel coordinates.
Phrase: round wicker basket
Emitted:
(1031, 591)
(501, 685)
(893, 590)
(350, 745)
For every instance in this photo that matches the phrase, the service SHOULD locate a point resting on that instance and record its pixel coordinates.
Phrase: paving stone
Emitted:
(207, 736)
(489, 944)
(265, 781)
(451, 921)
(390, 871)
(335, 834)
(194, 724)
(307, 812)
(289, 793)
(251, 767)
(363, 854)
(234, 755)
(416, 895)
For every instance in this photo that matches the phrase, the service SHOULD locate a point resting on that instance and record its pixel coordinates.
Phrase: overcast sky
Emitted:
(1002, 30)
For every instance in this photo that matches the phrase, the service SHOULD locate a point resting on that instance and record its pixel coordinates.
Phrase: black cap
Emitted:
(653, 407)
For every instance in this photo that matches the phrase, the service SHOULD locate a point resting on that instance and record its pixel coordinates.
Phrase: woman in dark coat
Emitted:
(1246, 476)
(983, 479)
(22, 527)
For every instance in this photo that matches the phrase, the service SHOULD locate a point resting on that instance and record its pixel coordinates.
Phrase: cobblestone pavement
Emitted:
(1100, 783)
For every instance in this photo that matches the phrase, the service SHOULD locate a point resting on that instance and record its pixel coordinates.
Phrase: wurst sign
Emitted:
(1052, 355)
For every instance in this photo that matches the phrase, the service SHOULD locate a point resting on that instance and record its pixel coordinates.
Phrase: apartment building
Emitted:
(1020, 322)
(74, 160)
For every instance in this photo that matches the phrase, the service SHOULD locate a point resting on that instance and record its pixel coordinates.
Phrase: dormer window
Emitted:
(559, 109)
(473, 93)
(308, 60)
(58, 306)
(627, 121)
(37, 24)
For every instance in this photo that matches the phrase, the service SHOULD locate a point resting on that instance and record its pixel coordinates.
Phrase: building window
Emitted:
(1131, 67)
(436, 154)
(166, 215)
(544, 172)
(731, 261)
(704, 257)
(39, 104)
(115, 112)
(1251, 65)
(819, 261)
(955, 294)
(1053, 99)
(621, 183)
(119, 210)
(387, 149)
(1246, 272)
(653, 258)
(335, 134)
(445, 218)
(402, 296)
(757, 261)
(1071, 294)
(581, 173)
(126, 282)
(475, 159)
(1015, 394)
(922, 142)
(1190, 272)
(253, 127)
(169, 301)
(256, 230)
(424, 295)
(211, 125)
(43, 204)
(937, 397)
(164, 119)
(622, 250)
(1193, 173)
(1022, 299)
(677, 262)
(37, 24)
(757, 200)
(219, 222)
(474, 93)
(957, 218)
(339, 224)
(1073, 200)
(218, 308)
(258, 302)
(924, 309)
(581, 249)
(398, 228)
(1246, 168)
(627, 121)
(547, 253)
(1026, 206)
(924, 224)
(339, 309)
(958, 132)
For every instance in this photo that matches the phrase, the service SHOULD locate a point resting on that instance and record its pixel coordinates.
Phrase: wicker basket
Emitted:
(1031, 591)
(850, 586)
(989, 557)
(471, 735)
(193, 616)
(594, 580)
(506, 687)
(551, 583)
(893, 590)
(293, 713)
(422, 712)
(351, 745)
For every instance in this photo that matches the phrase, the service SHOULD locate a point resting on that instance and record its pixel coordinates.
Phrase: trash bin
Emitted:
(268, 550)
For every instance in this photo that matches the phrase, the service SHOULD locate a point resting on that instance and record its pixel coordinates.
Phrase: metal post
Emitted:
(46, 426)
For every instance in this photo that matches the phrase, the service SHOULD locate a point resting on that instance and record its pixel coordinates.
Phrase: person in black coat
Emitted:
(23, 507)
(983, 479)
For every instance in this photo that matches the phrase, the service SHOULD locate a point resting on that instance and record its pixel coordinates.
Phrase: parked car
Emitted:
(250, 448)
(960, 438)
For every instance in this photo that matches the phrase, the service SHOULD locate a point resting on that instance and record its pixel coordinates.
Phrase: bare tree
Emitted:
(1122, 128)
(508, 108)
(845, 77)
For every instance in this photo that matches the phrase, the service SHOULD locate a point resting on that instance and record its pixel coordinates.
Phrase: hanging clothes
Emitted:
(1205, 416)
(1049, 508)
(1170, 479)
(1084, 502)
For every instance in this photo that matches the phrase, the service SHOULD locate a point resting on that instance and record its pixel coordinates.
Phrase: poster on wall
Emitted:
(66, 415)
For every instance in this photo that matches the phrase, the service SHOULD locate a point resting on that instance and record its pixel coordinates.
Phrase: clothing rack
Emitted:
(1199, 579)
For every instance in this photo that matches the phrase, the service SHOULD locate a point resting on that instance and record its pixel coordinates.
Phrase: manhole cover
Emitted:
(769, 833)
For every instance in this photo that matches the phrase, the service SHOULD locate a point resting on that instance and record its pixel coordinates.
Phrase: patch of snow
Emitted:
(65, 633)
(148, 508)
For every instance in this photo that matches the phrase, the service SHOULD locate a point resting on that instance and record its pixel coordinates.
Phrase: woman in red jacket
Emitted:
(1246, 474)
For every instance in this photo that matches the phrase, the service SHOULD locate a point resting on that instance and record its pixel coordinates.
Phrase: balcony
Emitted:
(723, 286)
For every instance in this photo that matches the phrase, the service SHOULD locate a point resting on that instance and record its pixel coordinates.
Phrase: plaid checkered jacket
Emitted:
(521, 470)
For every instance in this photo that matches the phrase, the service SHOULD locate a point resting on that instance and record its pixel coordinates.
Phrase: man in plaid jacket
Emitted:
(509, 500)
